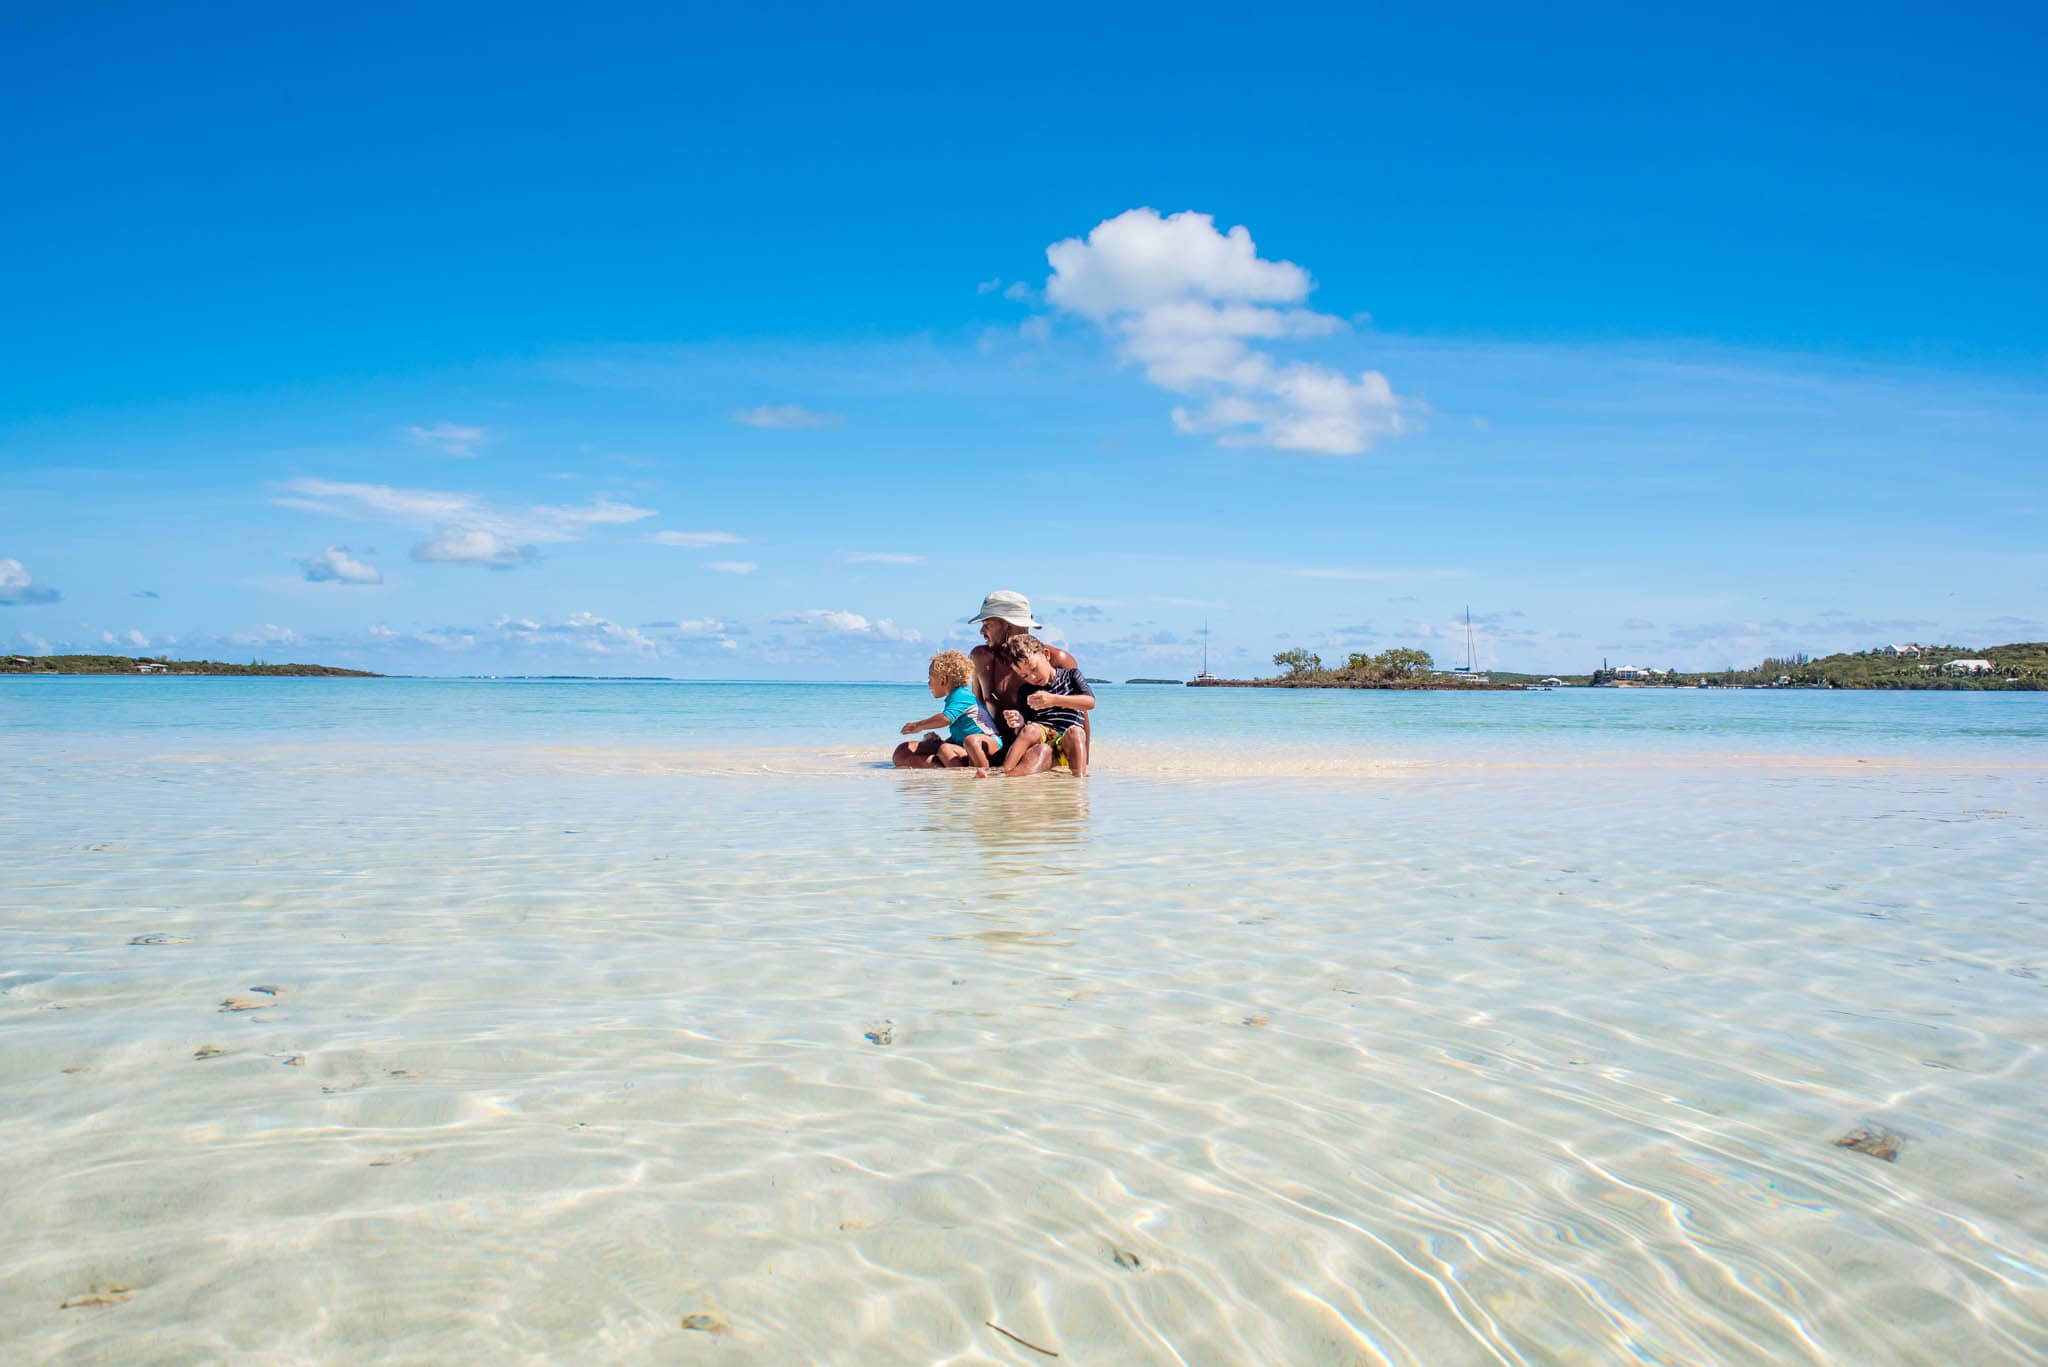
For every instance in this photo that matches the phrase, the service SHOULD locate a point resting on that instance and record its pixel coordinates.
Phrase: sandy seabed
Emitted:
(323, 1053)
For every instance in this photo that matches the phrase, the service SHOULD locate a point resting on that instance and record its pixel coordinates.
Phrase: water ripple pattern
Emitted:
(597, 1039)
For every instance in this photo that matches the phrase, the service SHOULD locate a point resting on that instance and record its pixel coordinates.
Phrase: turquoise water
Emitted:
(663, 713)
(647, 1022)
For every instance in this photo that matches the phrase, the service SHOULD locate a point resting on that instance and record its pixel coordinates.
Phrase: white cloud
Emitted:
(699, 630)
(450, 438)
(583, 631)
(694, 627)
(336, 565)
(1187, 303)
(439, 638)
(732, 566)
(1372, 576)
(842, 623)
(694, 540)
(36, 644)
(466, 530)
(1018, 292)
(881, 558)
(18, 586)
(269, 634)
(474, 546)
(786, 416)
(989, 286)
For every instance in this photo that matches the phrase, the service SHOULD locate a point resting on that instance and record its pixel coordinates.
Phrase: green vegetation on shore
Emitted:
(2022, 666)
(124, 664)
(1403, 667)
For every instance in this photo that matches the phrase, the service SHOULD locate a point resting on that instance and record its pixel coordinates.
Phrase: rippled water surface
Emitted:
(654, 1023)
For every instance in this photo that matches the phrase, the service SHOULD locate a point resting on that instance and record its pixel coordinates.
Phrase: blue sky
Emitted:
(648, 342)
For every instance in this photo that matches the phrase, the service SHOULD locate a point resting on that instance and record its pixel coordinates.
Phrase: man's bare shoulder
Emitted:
(981, 653)
(1060, 658)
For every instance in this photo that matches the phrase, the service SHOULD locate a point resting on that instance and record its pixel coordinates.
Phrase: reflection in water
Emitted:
(1019, 824)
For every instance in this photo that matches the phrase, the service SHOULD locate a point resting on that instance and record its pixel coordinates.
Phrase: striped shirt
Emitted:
(1066, 683)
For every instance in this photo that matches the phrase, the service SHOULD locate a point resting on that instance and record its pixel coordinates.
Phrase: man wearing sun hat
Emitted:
(1004, 613)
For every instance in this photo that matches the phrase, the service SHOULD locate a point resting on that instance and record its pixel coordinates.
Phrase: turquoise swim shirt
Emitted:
(967, 716)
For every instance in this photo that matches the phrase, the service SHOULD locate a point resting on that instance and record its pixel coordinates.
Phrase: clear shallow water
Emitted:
(669, 714)
(1440, 1060)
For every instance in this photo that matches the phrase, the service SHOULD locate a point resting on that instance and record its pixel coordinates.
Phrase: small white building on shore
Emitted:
(1968, 666)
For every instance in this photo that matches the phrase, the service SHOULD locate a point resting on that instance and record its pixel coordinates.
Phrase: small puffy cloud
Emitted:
(989, 286)
(881, 558)
(1189, 303)
(698, 631)
(474, 546)
(1018, 292)
(1638, 624)
(786, 417)
(697, 627)
(435, 638)
(269, 634)
(19, 587)
(450, 439)
(36, 644)
(1369, 575)
(842, 623)
(335, 565)
(465, 529)
(583, 631)
(694, 540)
(732, 567)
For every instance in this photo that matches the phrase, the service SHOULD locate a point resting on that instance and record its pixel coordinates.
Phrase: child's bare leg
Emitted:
(1074, 745)
(1028, 740)
(951, 756)
(980, 746)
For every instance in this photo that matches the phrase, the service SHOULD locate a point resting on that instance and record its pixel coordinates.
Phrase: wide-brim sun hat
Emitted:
(1007, 605)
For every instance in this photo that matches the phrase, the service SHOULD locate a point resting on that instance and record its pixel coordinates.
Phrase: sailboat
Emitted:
(1205, 677)
(1468, 672)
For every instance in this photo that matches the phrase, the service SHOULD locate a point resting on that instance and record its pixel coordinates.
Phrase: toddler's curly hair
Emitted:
(952, 669)
(1020, 648)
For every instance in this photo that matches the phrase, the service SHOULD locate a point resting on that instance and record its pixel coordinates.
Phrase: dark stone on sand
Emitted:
(1875, 1140)
(884, 1033)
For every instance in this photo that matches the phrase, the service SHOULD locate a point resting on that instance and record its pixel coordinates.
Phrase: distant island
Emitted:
(1174, 682)
(1403, 667)
(124, 664)
(2020, 667)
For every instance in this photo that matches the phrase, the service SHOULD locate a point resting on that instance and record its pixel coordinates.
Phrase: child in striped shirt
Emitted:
(1054, 709)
